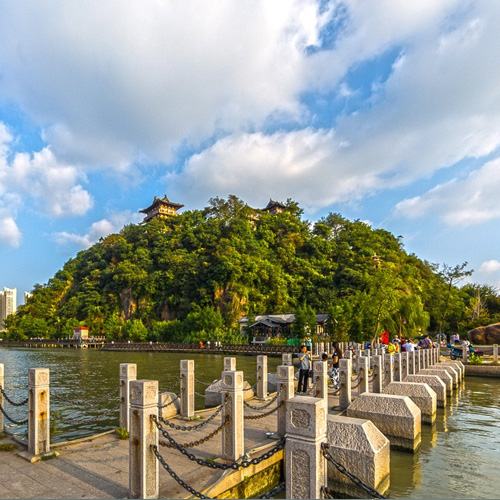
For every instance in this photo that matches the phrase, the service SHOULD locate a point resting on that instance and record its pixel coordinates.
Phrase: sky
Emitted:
(384, 111)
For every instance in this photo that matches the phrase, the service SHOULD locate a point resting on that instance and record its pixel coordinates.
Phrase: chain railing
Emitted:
(10, 419)
(355, 479)
(212, 464)
(200, 441)
(274, 491)
(261, 407)
(171, 402)
(373, 377)
(206, 384)
(262, 415)
(170, 387)
(194, 427)
(10, 401)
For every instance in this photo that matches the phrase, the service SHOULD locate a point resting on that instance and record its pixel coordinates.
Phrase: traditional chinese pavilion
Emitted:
(160, 208)
(274, 207)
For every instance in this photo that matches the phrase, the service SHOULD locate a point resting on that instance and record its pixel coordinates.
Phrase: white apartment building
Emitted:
(8, 304)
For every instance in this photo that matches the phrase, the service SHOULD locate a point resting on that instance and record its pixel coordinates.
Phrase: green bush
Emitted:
(475, 360)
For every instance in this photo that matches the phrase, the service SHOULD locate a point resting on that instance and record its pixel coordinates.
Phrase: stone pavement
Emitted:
(98, 467)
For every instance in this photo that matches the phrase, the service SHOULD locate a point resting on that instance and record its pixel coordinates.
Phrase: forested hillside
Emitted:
(192, 276)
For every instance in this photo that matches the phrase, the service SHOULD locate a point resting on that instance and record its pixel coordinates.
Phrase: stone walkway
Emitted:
(98, 468)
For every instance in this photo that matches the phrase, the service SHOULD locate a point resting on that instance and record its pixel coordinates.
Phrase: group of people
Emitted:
(408, 345)
(305, 365)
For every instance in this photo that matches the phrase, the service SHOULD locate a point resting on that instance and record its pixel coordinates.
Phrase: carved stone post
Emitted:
(495, 353)
(187, 388)
(143, 464)
(418, 360)
(286, 359)
(229, 364)
(1, 396)
(378, 373)
(388, 372)
(411, 363)
(397, 367)
(345, 374)
(465, 355)
(233, 438)
(286, 391)
(320, 379)
(305, 463)
(128, 373)
(262, 377)
(404, 365)
(363, 374)
(38, 411)
(348, 354)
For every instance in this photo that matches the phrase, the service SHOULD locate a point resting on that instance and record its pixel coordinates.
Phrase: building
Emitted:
(277, 325)
(160, 208)
(8, 304)
(27, 296)
(80, 333)
(274, 207)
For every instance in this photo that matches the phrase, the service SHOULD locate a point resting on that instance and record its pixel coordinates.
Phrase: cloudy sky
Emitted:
(385, 111)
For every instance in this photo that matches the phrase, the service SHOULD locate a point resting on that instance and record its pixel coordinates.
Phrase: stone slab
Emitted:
(420, 393)
(442, 374)
(213, 395)
(397, 417)
(435, 383)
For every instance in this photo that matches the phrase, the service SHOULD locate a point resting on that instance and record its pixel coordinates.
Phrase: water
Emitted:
(459, 457)
(89, 374)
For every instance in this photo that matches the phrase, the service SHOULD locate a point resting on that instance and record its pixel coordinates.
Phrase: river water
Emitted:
(459, 456)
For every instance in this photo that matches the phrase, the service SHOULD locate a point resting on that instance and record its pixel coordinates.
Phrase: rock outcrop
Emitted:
(485, 335)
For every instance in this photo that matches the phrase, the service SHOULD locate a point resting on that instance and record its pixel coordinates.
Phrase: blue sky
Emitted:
(384, 111)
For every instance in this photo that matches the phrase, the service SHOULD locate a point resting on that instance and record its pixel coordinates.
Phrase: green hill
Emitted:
(195, 274)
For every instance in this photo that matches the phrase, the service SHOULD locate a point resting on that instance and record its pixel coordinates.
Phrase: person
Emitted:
(304, 367)
(410, 345)
(308, 342)
(426, 343)
(391, 347)
(455, 338)
(208, 344)
(336, 355)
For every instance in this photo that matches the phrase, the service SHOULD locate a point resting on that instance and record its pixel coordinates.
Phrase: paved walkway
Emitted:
(98, 468)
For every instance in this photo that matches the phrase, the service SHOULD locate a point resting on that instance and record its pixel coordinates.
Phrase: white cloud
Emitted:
(97, 230)
(459, 202)
(490, 266)
(9, 232)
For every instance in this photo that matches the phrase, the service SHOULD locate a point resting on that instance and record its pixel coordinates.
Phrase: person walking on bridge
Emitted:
(304, 367)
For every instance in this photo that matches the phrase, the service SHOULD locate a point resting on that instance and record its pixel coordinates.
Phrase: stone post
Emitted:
(465, 355)
(128, 373)
(404, 365)
(388, 371)
(495, 354)
(345, 374)
(1, 396)
(378, 373)
(418, 360)
(286, 359)
(363, 374)
(38, 411)
(143, 464)
(304, 460)
(397, 367)
(348, 354)
(187, 388)
(286, 391)
(411, 363)
(233, 438)
(229, 364)
(320, 380)
(261, 376)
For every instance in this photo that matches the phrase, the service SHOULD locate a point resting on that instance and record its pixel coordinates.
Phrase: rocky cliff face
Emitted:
(485, 335)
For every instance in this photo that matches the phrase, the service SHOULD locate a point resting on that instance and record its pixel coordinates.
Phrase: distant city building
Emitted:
(80, 333)
(27, 296)
(160, 208)
(274, 207)
(8, 304)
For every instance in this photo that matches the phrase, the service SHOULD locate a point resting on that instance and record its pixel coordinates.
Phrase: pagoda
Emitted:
(160, 208)
(274, 207)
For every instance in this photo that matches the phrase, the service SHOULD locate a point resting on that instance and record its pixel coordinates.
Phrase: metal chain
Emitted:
(256, 417)
(373, 377)
(274, 491)
(170, 387)
(199, 394)
(13, 403)
(216, 465)
(85, 402)
(170, 402)
(262, 406)
(174, 475)
(355, 479)
(326, 492)
(86, 420)
(358, 384)
(207, 384)
(192, 444)
(22, 422)
(192, 427)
